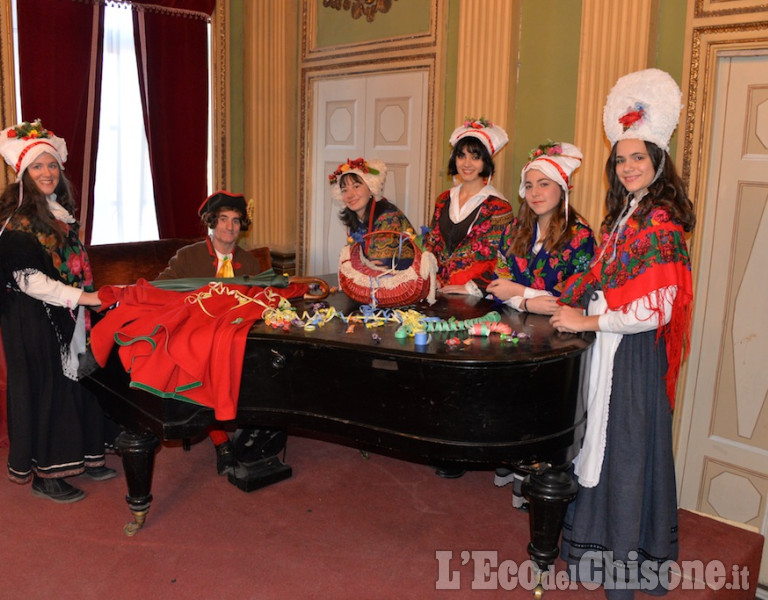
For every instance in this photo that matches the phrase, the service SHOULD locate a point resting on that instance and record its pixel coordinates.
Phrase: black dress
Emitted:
(55, 426)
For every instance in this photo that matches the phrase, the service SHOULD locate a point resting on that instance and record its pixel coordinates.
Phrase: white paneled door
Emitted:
(377, 117)
(722, 460)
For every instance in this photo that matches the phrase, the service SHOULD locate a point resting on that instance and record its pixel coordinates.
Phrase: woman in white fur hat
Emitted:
(638, 296)
(549, 241)
(359, 185)
(55, 427)
(469, 218)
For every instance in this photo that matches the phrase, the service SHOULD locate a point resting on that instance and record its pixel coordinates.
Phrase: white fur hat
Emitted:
(373, 172)
(493, 137)
(21, 144)
(644, 105)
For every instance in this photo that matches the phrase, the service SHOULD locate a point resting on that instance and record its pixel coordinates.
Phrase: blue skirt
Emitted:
(620, 532)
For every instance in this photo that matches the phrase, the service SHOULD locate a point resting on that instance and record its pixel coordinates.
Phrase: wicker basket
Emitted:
(368, 283)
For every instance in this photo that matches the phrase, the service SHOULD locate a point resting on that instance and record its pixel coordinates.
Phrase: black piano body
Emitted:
(482, 404)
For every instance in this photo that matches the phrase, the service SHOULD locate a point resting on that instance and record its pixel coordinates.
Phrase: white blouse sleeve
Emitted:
(43, 288)
(641, 315)
(516, 302)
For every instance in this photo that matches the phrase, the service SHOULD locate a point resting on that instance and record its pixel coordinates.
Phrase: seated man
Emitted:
(226, 217)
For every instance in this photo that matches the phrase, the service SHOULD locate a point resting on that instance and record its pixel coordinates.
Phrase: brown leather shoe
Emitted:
(56, 489)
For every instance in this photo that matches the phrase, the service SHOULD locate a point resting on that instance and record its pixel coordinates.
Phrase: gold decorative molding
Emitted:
(708, 8)
(220, 115)
(410, 43)
(358, 8)
(615, 40)
(7, 78)
(707, 43)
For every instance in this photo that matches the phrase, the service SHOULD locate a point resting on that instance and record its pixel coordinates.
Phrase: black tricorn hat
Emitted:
(222, 198)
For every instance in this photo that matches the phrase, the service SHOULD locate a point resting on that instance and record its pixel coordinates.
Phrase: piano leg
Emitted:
(548, 494)
(138, 454)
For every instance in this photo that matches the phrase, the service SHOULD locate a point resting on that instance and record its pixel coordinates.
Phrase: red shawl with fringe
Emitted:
(651, 255)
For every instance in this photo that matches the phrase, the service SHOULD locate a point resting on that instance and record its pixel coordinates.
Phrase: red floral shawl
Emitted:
(651, 254)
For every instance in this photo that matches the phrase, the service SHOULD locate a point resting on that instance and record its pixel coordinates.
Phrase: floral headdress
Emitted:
(557, 161)
(21, 144)
(359, 164)
(373, 172)
(493, 137)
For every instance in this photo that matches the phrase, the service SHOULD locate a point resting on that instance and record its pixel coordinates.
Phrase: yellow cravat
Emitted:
(225, 270)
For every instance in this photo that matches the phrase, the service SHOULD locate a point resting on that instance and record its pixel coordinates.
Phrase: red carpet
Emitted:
(341, 527)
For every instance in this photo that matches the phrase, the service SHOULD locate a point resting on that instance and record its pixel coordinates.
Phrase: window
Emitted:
(124, 208)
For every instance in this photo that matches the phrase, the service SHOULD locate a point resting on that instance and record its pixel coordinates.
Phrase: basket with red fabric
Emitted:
(367, 282)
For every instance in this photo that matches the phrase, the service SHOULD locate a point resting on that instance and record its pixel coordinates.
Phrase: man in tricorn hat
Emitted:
(226, 216)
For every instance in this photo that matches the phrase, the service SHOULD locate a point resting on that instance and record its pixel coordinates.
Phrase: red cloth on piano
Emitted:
(184, 345)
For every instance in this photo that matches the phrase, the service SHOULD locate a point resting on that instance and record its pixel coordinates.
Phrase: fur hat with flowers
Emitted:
(644, 105)
(493, 137)
(21, 144)
(372, 172)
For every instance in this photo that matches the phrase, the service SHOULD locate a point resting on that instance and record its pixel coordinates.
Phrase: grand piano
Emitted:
(486, 403)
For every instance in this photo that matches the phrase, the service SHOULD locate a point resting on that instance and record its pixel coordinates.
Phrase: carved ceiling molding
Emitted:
(406, 44)
(358, 8)
(709, 8)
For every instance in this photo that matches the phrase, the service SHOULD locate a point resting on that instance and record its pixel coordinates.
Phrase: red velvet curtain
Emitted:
(60, 43)
(172, 54)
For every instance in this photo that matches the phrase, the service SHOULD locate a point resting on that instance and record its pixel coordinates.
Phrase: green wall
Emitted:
(449, 98)
(670, 45)
(545, 106)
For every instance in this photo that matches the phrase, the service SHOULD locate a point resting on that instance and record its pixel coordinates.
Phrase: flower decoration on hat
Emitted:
(28, 131)
(633, 115)
(644, 105)
(493, 137)
(372, 172)
(549, 149)
(359, 164)
(477, 123)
